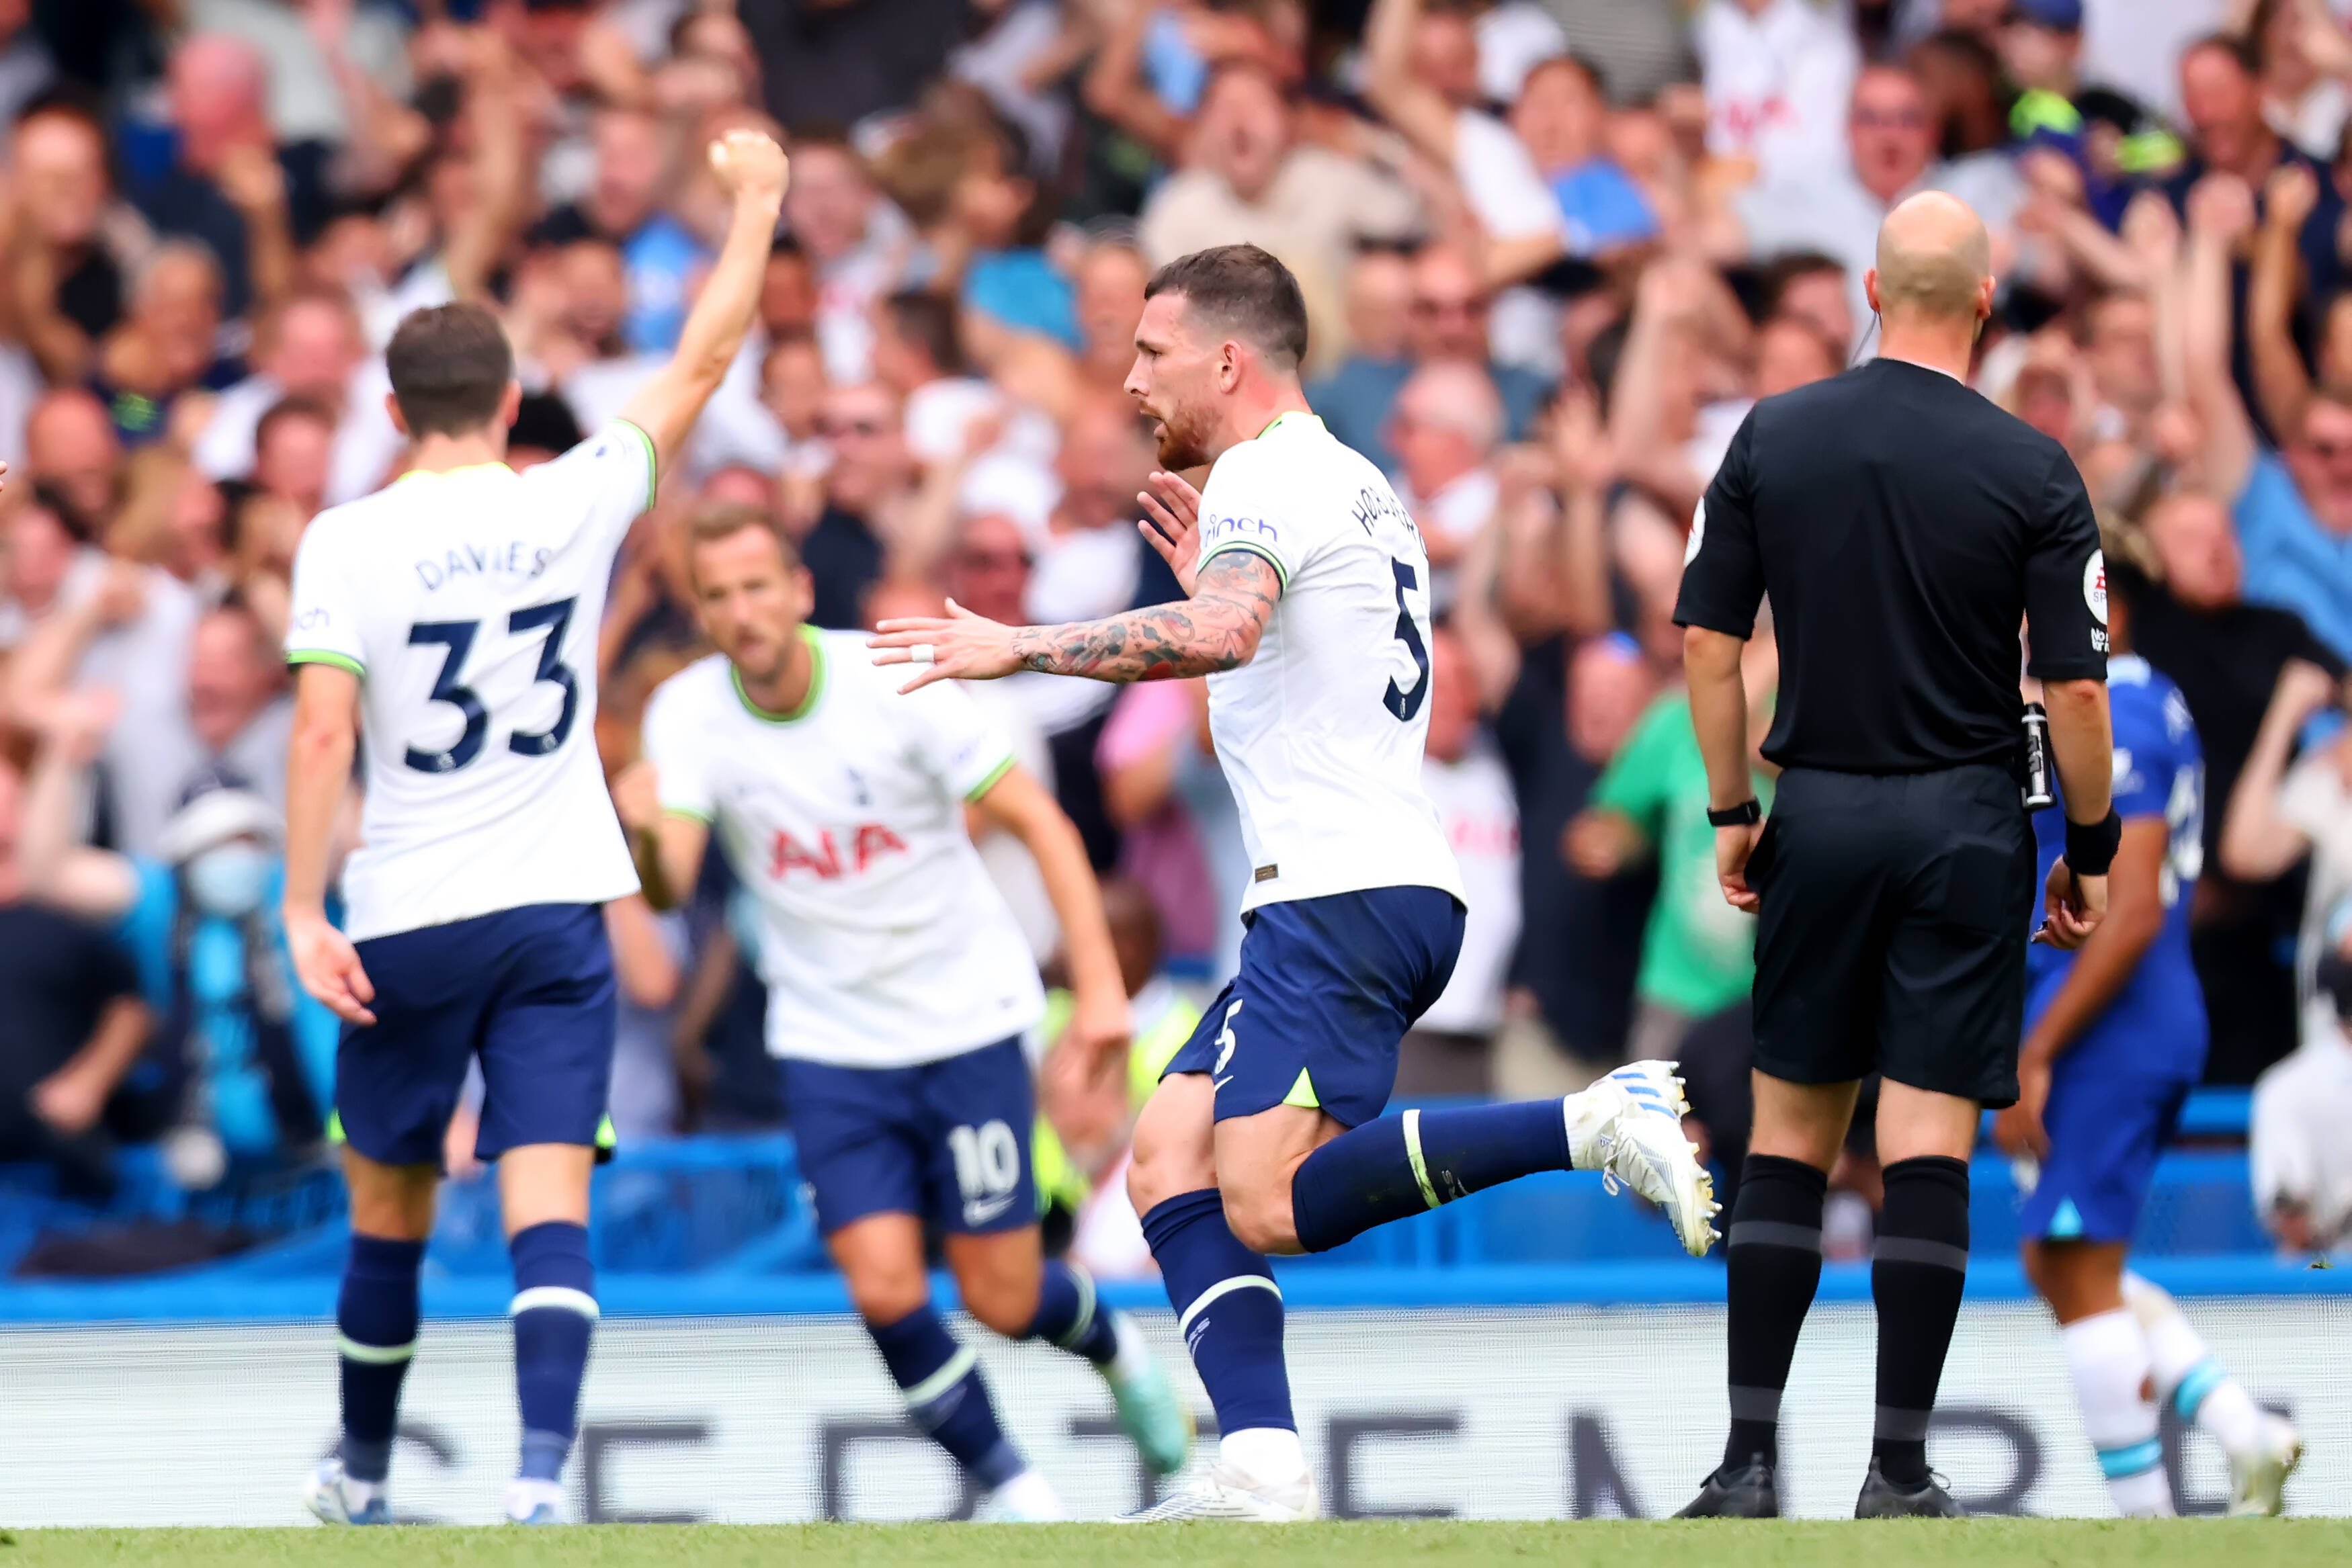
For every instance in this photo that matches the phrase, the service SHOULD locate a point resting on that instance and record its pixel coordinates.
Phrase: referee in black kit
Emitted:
(1904, 527)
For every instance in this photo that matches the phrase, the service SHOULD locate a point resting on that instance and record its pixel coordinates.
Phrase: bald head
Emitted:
(218, 85)
(1450, 395)
(1935, 259)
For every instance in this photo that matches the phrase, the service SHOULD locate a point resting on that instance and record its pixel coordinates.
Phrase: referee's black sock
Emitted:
(1774, 1261)
(1915, 1274)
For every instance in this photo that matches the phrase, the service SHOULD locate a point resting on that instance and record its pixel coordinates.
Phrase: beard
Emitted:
(1183, 438)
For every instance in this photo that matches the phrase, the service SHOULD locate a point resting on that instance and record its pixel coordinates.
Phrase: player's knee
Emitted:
(884, 1293)
(2035, 1258)
(394, 1202)
(1261, 1219)
(1002, 1303)
(1171, 1154)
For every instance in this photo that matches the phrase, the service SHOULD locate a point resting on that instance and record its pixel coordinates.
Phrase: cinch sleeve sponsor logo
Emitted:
(1239, 528)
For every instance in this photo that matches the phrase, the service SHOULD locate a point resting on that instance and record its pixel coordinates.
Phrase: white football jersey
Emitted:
(468, 603)
(1321, 733)
(883, 942)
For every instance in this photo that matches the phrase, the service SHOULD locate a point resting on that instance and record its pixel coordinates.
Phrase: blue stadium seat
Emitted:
(720, 1207)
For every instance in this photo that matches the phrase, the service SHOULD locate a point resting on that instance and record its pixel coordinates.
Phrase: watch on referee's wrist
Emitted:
(2091, 846)
(1746, 814)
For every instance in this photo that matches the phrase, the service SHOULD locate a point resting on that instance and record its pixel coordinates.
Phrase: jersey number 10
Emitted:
(458, 637)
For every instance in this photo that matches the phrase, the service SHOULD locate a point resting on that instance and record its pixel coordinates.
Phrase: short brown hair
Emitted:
(1245, 290)
(725, 519)
(450, 365)
(929, 320)
(287, 408)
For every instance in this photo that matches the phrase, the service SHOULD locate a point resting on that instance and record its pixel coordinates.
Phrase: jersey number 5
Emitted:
(1401, 703)
(458, 637)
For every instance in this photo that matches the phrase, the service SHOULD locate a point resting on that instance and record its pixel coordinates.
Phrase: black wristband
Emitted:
(1747, 813)
(2091, 846)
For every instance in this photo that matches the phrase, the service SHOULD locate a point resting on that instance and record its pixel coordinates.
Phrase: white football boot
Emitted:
(2258, 1477)
(1629, 1127)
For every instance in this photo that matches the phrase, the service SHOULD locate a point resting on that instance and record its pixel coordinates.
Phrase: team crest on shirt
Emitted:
(2126, 779)
(2095, 585)
(1697, 533)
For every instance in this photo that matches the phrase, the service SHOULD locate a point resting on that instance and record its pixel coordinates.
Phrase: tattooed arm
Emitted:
(1217, 628)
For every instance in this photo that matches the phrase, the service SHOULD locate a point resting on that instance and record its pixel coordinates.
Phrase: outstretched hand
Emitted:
(960, 646)
(1172, 523)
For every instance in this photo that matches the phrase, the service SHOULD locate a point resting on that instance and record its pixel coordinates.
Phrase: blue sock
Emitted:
(1227, 1307)
(1068, 1316)
(375, 1330)
(554, 1313)
(945, 1394)
(1399, 1166)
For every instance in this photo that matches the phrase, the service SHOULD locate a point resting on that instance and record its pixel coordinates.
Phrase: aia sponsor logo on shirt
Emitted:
(1742, 122)
(1482, 834)
(828, 857)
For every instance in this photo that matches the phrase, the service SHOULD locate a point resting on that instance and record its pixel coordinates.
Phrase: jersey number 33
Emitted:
(550, 622)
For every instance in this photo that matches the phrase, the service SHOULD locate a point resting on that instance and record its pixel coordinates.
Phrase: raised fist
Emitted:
(750, 165)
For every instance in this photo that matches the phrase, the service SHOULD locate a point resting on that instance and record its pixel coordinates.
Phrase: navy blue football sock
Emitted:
(1067, 1314)
(946, 1395)
(1227, 1307)
(1402, 1165)
(375, 1330)
(554, 1313)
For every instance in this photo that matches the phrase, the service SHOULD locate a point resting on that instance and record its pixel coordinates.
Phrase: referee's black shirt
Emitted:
(1903, 526)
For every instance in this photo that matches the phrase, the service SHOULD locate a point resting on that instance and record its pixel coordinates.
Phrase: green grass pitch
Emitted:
(2061, 1543)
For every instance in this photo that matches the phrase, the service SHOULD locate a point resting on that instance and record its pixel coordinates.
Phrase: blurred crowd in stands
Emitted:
(1552, 250)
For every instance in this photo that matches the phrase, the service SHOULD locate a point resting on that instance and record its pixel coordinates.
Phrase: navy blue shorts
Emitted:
(946, 1141)
(529, 991)
(1327, 990)
(2107, 1125)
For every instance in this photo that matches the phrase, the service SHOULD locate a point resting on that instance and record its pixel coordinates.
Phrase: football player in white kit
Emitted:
(899, 985)
(450, 621)
(1308, 612)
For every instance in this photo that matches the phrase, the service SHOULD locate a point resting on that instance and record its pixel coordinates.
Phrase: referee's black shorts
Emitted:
(1895, 913)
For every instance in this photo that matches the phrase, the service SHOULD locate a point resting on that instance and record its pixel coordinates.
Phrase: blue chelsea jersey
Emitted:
(2157, 1021)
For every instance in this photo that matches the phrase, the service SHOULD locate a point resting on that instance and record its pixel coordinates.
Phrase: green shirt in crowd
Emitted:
(1698, 954)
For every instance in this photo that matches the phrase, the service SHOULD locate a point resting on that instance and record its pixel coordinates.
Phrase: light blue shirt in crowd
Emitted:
(2292, 561)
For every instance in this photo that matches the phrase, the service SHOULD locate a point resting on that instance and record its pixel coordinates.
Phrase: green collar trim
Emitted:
(1300, 415)
(808, 703)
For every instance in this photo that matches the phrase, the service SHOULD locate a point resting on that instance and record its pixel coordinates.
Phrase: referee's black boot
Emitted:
(1882, 1499)
(1748, 1493)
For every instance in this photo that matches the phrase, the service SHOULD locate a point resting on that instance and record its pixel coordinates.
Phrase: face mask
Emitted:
(229, 880)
